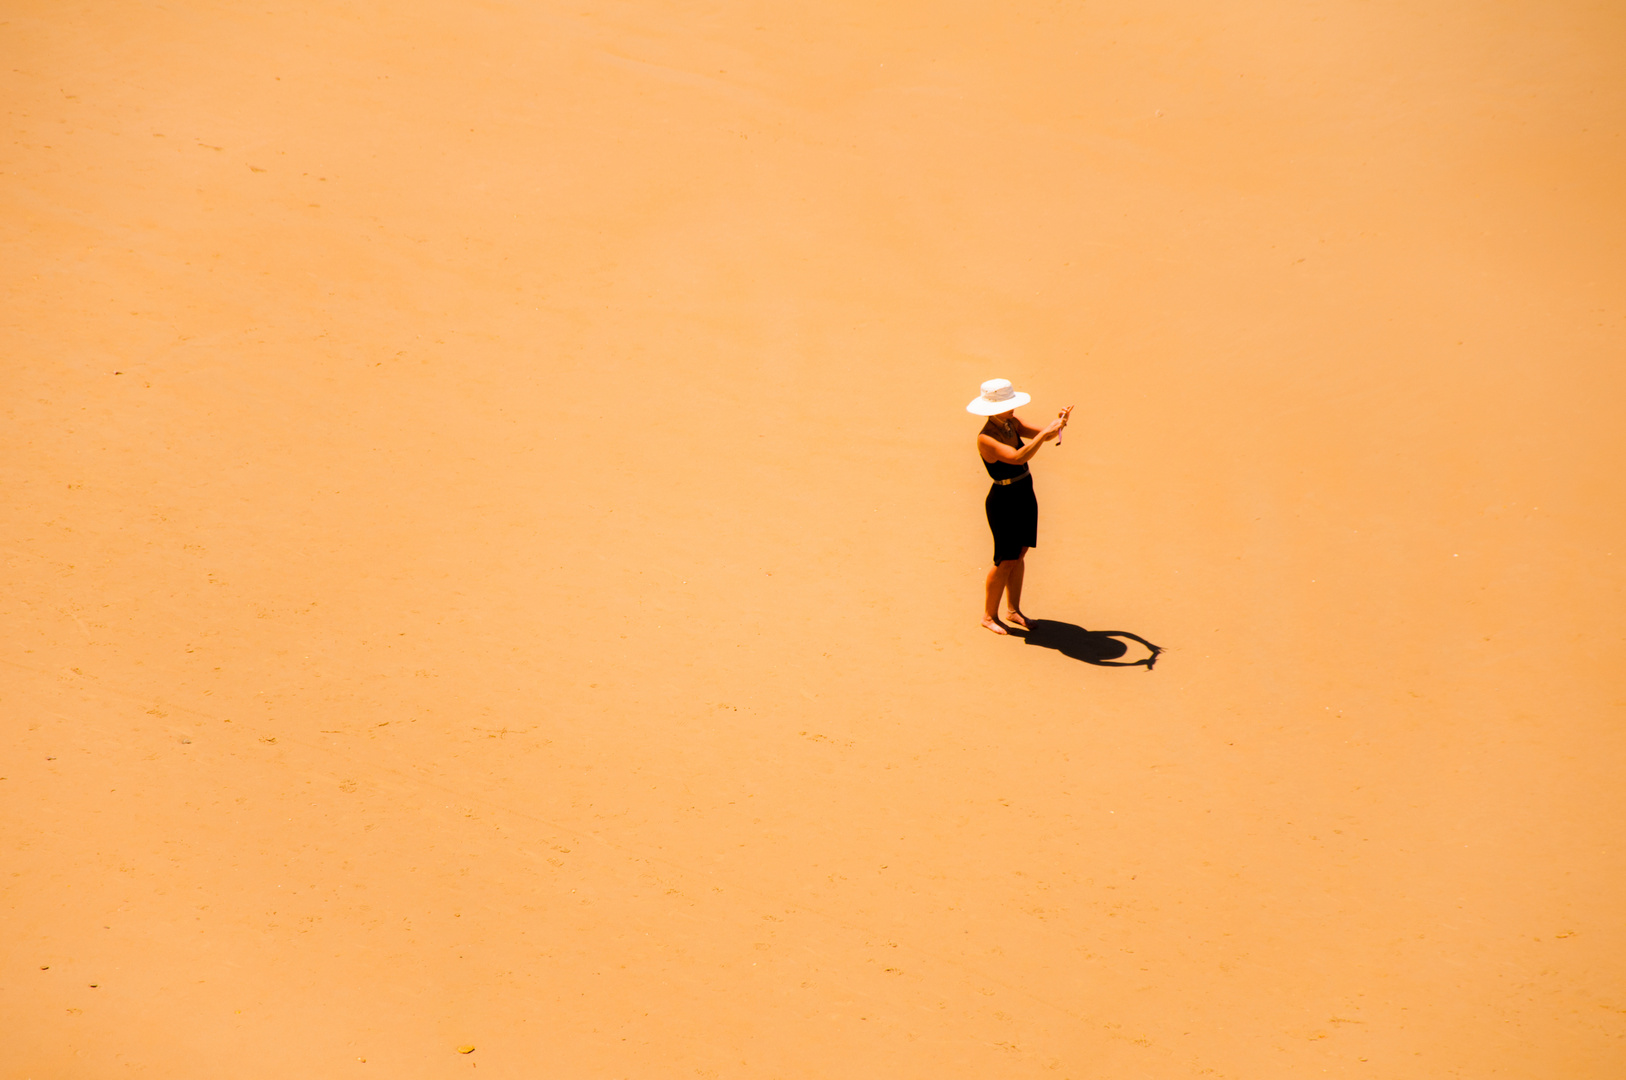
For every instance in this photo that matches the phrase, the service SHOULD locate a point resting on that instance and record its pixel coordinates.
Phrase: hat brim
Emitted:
(981, 406)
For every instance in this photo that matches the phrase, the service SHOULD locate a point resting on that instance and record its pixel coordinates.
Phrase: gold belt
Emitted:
(1014, 479)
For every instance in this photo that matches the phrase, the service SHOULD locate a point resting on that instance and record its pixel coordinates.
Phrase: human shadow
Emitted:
(1103, 648)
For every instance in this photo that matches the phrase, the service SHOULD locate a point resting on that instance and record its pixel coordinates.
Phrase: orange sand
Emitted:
(494, 546)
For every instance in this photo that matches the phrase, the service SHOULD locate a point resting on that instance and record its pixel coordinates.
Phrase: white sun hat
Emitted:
(997, 397)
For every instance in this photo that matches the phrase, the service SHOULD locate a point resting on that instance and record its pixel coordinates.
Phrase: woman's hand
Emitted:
(1052, 431)
(1061, 422)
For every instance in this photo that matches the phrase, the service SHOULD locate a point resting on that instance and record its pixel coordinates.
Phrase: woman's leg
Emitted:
(1013, 590)
(991, 590)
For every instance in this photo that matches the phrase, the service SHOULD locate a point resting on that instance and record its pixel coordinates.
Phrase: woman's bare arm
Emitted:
(1029, 432)
(992, 449)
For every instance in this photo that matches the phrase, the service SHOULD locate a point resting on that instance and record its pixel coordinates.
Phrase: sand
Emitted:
(494, 543)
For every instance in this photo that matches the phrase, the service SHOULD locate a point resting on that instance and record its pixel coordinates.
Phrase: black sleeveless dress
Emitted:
(1013, 512)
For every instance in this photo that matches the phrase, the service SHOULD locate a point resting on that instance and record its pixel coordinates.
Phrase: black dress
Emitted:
(1013, 512)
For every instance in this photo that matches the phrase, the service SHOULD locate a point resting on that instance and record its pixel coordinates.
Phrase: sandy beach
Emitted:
(494, 541)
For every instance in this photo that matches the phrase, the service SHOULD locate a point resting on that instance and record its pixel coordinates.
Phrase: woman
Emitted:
(1013, 512)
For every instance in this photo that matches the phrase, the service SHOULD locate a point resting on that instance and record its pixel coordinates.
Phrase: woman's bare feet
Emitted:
(1018, 620)
(991, 623)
